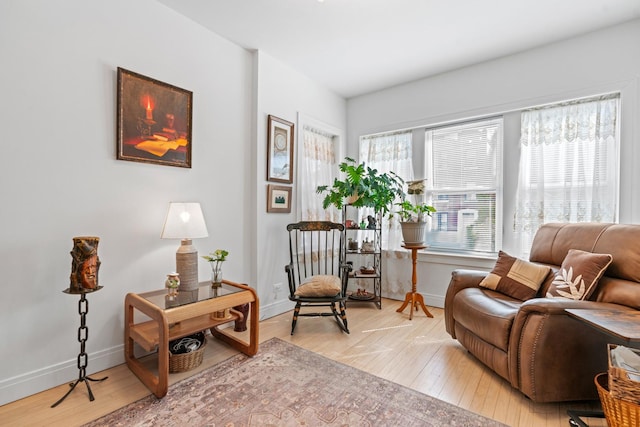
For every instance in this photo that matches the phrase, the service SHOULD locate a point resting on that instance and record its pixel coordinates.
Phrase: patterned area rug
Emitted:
(285, 385)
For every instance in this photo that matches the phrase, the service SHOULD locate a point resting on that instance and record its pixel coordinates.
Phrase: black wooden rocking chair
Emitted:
(317, 278)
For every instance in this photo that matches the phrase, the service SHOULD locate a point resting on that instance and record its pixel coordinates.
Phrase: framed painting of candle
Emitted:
(154, 121)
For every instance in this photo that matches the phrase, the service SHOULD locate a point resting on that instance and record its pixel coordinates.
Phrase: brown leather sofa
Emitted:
(534, 344)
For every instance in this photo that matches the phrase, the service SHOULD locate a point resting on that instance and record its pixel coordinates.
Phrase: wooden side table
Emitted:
(413, 298)
(188, 313)
(619, 324)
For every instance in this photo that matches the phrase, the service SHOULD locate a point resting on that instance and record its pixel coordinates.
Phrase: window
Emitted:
(317, 167)
(568, 165)
(318, 149)
(463, 170)
(389, 152)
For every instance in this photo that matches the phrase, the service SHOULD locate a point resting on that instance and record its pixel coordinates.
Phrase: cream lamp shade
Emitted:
(185, 221)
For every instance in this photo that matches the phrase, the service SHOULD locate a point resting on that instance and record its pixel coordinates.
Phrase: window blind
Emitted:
(464, 185)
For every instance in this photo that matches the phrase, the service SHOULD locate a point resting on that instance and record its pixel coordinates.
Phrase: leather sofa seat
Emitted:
(489, 314)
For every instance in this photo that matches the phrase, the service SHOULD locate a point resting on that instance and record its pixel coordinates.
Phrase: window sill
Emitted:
(447, 258)
(457, 259)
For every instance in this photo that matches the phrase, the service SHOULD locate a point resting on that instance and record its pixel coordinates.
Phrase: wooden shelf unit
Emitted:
(374, 235)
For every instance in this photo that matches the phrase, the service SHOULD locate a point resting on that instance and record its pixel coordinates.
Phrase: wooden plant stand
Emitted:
(413, 298)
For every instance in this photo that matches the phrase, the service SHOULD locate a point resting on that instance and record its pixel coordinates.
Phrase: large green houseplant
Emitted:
(362, 186)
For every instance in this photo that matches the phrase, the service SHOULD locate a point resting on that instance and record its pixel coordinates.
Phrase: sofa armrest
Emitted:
(542, 330)
(460, 279)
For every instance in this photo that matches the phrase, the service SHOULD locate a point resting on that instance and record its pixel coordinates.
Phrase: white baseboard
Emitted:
(434, 300)
(18, 387)
(273, 309)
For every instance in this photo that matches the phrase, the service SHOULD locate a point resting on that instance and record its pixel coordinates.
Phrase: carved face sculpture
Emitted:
(88, 272)
(85, 264)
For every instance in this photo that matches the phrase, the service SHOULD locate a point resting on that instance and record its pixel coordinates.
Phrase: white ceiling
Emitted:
(358, 46)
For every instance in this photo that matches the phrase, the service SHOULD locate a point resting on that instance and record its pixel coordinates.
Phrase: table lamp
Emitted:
(185, 221)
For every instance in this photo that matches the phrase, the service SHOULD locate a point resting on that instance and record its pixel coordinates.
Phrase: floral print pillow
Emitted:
(579, 275)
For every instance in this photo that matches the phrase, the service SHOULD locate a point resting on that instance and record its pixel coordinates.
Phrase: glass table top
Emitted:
(205, 291)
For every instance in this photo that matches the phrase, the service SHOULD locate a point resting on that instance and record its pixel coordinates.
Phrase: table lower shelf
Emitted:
(147, 335)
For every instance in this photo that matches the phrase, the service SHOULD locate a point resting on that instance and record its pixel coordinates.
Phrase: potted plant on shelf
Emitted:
(362, 186)
(413, 216)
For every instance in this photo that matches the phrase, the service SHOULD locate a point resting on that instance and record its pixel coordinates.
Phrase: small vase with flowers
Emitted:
(216, 259)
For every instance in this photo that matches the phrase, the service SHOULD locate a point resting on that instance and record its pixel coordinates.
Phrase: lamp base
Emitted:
(187, 265)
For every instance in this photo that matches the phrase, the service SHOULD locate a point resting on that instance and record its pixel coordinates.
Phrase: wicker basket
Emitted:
(618, 412)
(186, 361)
(620, 385)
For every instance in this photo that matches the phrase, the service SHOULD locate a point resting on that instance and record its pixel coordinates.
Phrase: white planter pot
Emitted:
(413, 233)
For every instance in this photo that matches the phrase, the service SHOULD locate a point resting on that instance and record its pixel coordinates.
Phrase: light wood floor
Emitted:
(416, 353)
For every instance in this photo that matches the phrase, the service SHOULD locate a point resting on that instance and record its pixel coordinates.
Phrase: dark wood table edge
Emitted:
(591, 317)
(586, 315)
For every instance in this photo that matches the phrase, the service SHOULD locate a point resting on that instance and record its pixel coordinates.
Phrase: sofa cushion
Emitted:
(515, 277)
(579, 275)
(319, 286)
(487, 314)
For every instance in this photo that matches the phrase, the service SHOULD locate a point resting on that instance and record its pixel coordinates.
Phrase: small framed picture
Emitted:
(278, 198)
(280, 150)
(154, 121)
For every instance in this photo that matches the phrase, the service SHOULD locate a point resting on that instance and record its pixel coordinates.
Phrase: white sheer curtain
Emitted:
(568, 165)
(391, 153)
(317, 167)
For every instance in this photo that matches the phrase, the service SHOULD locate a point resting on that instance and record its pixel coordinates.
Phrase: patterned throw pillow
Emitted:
(515, 277)
(321, 285)
(579, 275)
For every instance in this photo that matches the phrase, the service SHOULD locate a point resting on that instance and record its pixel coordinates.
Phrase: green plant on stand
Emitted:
(413, 216)
(410, 212)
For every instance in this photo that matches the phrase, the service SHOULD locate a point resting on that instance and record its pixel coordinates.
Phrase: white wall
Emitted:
(595, 63)
(60, 177)
(282, 92)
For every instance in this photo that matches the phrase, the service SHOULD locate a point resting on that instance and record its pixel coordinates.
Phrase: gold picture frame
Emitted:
(278, 198)
(279, 150)
(154, 121)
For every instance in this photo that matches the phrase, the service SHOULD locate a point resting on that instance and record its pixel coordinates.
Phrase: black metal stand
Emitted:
(83, 335)
(575, 417)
